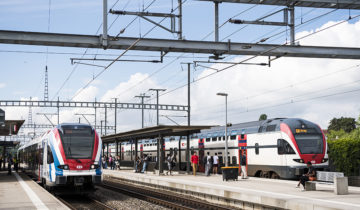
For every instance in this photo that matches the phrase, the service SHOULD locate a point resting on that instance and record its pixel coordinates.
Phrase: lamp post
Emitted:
(226, 136)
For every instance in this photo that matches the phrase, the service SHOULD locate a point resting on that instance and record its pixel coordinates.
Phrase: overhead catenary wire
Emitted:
(131, 46)
(164, 67)
(75, 67)
(252, 57)
(353, 67)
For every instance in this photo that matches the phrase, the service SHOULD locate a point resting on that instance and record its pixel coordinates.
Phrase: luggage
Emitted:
(230, 173)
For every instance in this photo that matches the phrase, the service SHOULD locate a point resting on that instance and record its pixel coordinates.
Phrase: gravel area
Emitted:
(121, 201)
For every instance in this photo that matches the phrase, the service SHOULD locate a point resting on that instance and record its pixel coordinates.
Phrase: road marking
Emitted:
(31, 194)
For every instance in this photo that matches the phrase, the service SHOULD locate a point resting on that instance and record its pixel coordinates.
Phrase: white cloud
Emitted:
(2, 85)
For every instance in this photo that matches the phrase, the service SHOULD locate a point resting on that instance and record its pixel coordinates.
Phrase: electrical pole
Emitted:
(157, 103)
(115, 122)
(105, 120)
(188, 135)
(46, 88)
(142, 96)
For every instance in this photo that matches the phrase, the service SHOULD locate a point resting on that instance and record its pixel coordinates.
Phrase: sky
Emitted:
(313, 89)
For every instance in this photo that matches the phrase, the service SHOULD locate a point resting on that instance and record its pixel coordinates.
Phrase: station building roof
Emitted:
(154, 132)
(11, 127)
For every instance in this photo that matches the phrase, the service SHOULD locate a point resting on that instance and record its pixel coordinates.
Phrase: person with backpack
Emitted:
(169, 164)
(208, 160)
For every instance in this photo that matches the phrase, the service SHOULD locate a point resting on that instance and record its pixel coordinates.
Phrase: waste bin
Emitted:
(230, 173)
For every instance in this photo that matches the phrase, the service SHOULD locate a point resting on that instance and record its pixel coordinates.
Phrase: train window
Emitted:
(234, 160)
(220, 159)
(270, 128)
(213, 139)
(233, 137)
(207, 139)
(257, 148)
(260, 129)
(284, 147)
(50, 158)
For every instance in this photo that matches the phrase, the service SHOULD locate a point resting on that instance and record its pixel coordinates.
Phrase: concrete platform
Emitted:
(264, 192)
(17, 191)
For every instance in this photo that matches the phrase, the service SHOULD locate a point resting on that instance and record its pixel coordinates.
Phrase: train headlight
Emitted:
(65, 167)
(324, 160)
(299, 160)
(93, 166)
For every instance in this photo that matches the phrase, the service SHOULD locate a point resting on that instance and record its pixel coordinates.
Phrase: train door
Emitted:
(44, 167)
(282, 155)
(242, 144)
(201, 155)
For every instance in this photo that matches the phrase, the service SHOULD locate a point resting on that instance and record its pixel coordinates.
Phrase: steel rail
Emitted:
(162, 198)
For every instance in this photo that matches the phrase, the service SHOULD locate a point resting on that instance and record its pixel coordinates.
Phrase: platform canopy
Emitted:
(154, 132)
(11, 127)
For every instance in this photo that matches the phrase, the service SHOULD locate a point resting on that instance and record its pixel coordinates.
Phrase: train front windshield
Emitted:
(78, 142)
(310, 143)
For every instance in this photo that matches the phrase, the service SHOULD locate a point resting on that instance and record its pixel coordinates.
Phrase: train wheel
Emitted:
(274, 176)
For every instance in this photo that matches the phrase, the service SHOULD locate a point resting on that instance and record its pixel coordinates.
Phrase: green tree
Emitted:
(345, 123)
(263, 117)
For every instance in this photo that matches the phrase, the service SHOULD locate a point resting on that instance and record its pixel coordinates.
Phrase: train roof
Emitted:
(259, 126)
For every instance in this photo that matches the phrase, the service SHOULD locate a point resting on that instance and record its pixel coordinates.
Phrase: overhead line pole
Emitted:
(142, 96)
(157, 102)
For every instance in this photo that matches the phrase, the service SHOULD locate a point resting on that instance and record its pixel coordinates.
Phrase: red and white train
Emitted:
(275, 148)
(67, 155)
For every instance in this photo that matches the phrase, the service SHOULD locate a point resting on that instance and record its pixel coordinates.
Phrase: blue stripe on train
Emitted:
(58, 171)
(242, 141)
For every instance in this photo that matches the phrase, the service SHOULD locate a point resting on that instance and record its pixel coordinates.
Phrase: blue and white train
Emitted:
(67, 155)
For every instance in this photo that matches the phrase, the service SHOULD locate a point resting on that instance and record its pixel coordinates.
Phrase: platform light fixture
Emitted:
(226, 133)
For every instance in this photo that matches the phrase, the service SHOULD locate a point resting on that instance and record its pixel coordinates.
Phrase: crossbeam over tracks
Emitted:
(79, 104)
(184, 46)
(334, 4)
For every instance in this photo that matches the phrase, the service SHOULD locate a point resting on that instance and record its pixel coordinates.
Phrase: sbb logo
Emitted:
(79, 167)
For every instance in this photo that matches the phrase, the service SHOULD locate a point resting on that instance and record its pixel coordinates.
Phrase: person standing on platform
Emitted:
(9, 164)
(117, 161)
(137, 164)
(145, 163)
(169, 163)
(194, 162)
(1, 160)
(243, 166)
(215, 163)
(208, 164)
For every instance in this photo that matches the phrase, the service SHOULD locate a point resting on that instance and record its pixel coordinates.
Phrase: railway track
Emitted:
(82, 202)
(166, 199)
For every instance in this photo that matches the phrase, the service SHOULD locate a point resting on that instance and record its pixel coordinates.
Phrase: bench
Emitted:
(337, 179)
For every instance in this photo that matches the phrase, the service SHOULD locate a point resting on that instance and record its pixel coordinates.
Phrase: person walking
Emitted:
(243, 166)
(215, 163)
(194, 162)
(16, 164)
(145, 163)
